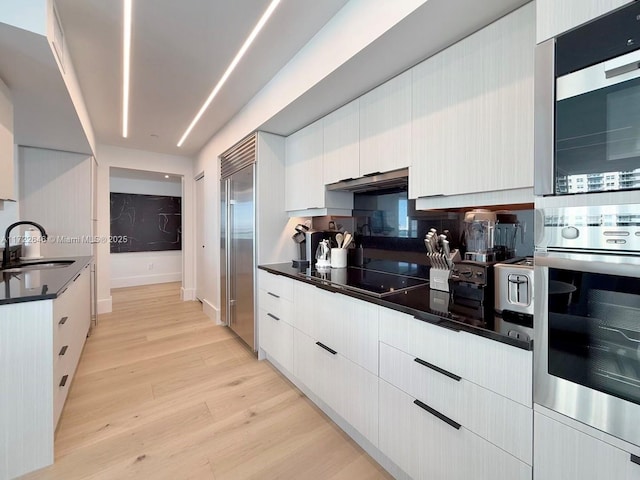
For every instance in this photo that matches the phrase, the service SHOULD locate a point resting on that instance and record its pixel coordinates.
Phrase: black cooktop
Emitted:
(365, 280)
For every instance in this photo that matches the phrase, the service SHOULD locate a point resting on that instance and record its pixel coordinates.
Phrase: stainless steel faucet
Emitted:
(5, 253)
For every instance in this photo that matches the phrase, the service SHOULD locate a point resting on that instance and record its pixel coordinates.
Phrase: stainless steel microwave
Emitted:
(587, 97)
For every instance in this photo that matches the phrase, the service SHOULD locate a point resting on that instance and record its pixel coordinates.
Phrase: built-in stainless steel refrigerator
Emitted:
(237, 262)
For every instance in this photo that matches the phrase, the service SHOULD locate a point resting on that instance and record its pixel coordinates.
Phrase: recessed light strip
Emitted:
(245, 46)
(126, 66)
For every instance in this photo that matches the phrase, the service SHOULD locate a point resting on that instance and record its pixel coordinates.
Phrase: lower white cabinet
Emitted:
(564, 453)
(427, 445)
(350, 390)
(40, 345)
(276, 338)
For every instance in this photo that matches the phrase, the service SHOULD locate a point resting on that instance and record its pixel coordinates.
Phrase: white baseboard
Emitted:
(211, 311)
(187, 294)
(137, 280)
(105, 305)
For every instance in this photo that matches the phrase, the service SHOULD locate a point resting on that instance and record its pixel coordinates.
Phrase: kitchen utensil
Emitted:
(339, 239)
(347, 240)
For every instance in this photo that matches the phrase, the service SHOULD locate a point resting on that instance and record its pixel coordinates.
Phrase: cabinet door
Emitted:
(427, 447)
(341, 143)
(472, 128)
(7, 179)
(276, 338)
(304, 187)
(345, 387)
(385, 126)
(563, 453)
(554, 17)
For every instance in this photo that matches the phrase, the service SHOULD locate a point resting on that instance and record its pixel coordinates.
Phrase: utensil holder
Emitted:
(338, 257)
(441, 267)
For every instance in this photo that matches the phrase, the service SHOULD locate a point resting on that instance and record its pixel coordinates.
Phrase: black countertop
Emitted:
(423, 303)
(39, 284)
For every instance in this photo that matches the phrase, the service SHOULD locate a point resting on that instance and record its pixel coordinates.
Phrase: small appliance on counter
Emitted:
(507, 231)
(301, 239)
(514, 298)
(313, 240)
(478, 236)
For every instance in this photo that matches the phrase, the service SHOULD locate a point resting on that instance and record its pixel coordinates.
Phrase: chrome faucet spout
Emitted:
(5, 253)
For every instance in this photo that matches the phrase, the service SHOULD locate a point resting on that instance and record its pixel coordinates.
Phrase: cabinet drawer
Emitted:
(62, 376)
(348, 325)
(276, 305)
(503, 422)
(276, 338)
(493, 365)
(348, 389)
(276, 285)
(426, 447)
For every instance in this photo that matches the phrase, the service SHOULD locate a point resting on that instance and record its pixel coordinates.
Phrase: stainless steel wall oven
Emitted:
(587, 118)
(587, 325)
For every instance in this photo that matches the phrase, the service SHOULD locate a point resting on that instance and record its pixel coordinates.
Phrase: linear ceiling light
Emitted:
(245, 46)
(126, 66)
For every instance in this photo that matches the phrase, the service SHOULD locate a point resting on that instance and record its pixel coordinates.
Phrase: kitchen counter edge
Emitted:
(279, 269)
(66, 276)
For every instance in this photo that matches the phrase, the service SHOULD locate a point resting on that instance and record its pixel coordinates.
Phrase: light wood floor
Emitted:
(163, 393)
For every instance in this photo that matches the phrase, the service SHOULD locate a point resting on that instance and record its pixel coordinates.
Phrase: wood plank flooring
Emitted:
(163, 393)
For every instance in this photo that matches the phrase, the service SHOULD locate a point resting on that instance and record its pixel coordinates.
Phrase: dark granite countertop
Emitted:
(39, 284)
(423, 303)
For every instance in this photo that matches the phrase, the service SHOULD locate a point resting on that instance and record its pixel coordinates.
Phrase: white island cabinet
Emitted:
(472, 134)
(40, 346)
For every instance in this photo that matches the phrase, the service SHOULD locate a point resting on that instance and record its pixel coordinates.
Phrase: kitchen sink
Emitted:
(46, 265)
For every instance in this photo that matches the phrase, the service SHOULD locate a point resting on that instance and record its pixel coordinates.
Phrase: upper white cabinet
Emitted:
(7, 191)
(558, 16)
(385, 126)
(563, 453)
(472, 128)
(305, 193)
(342, 143)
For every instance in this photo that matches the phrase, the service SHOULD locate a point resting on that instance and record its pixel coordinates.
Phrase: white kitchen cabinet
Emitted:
(350, 326)
(563, 453)
(7, 190)
(385, 126)
(305, 192)
(56, 191)
(276, 318)
(472, 123)
(558, 16)
(342, 143)
(33, 364)
(427, 447)
(347, 388)
(496, 366)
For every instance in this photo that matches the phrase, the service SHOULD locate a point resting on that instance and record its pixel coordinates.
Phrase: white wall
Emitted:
(129, 269)
(109, 156)
(353, 28)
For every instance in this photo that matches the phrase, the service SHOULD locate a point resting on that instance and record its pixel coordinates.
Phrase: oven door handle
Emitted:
(626, 266)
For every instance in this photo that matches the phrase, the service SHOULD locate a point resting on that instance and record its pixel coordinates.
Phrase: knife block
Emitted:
(439, 279)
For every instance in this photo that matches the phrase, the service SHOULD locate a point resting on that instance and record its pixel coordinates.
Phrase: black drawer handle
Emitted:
(330, 350)
(63, 350)
(635, 459)
(437, 369)
(77, 276)
(272, 316)
(273, 295)
(437, 414)
(63, 381)
(63, 320)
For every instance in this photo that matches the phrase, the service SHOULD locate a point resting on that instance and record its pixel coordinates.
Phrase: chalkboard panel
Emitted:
(145, 223)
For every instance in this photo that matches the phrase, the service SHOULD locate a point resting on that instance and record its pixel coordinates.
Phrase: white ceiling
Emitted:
(130, 174)
(180, 49)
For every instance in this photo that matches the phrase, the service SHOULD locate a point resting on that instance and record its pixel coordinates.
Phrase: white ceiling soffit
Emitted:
(431, 28)
(179, 52)
(44, 115)
(130, 174)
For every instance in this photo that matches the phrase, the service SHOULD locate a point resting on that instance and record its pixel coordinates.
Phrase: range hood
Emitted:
(397, 180)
